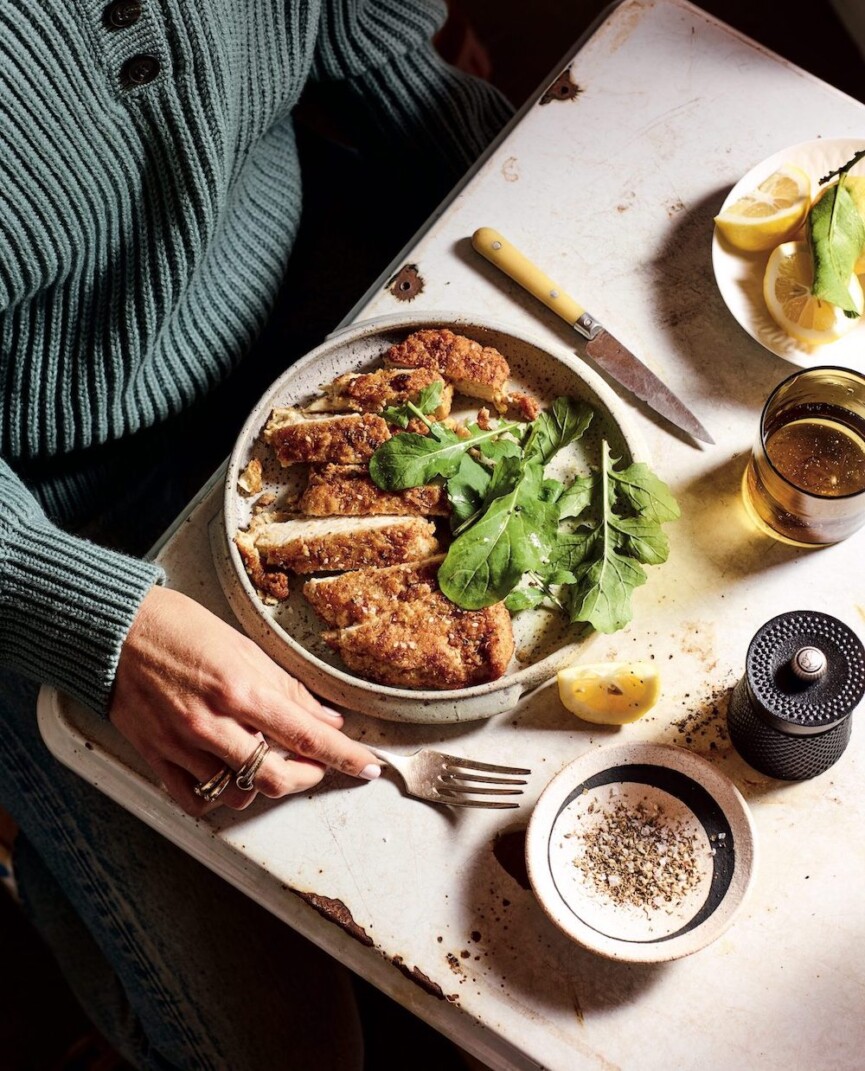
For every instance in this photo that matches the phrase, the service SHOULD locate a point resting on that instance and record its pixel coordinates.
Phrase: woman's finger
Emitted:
(275, 777)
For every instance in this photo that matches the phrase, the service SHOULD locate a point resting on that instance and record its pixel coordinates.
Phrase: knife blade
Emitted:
(604, 349)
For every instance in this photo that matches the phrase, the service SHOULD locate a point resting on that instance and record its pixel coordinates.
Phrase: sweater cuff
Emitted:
(68, 606)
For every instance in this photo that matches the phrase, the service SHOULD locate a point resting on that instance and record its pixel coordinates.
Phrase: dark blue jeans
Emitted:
(173, 965)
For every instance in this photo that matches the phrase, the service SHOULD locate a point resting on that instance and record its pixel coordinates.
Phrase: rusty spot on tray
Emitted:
(336, 911)
(416, 975)
(510, 851)
(564, 88)
(406, 284)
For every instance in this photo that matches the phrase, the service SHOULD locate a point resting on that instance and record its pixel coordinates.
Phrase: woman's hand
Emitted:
(191, 693)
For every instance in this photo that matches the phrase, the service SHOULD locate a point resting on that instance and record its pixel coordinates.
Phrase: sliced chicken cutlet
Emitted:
(335, 544)
(428, 643)
(370, 392)
(348, 490)
(474, 370)
(353, 597)
(297, 437)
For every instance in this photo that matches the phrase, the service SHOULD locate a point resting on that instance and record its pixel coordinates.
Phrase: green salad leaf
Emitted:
(427, 401)
(410, 460)
(528, 539)
(606, 554)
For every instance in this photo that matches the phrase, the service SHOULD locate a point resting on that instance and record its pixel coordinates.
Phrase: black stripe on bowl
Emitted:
(703, 806)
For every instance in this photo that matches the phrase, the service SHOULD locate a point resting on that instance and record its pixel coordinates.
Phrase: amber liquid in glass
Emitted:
(818, 449)
(819, 453)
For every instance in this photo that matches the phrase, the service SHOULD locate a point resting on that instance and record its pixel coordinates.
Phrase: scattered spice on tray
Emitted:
(636, 856)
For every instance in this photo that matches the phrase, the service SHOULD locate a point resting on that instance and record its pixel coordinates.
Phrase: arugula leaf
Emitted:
(602, 591)
(525, 598)
(576, 498)
(555, 428)
(411, 460)
(513, 536)
(605, 560)
(648, 495)
(427, 401)
(467, 489)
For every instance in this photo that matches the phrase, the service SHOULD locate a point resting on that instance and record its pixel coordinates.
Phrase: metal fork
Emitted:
(440, 778)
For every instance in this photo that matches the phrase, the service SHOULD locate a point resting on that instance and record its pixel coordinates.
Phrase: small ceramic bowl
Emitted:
(291, 633)
(641, 852)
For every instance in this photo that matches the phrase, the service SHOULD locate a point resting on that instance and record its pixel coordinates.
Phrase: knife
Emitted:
(605, 350)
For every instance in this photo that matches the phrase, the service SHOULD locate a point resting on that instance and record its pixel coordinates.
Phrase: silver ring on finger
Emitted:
(211, 790)
(245, 779)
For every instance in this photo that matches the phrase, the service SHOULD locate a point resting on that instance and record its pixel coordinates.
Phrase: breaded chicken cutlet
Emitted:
(474, 370)
(350, 598)
(370, 392)
(428, 643)
(333, 544)
(297, 437)
(395, 627)
(348, 490)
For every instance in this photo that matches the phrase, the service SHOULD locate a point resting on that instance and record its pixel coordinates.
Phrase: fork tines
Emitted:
(459, 780)
(454, 762)
(459, 799)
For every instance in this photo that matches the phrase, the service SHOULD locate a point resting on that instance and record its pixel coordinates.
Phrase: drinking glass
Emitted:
(805, 480)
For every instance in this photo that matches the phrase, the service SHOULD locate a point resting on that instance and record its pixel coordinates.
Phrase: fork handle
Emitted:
(387, 757)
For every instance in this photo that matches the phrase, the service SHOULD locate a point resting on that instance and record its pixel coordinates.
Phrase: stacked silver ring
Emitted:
(244, 778)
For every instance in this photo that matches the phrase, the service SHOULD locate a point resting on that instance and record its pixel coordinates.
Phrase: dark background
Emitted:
(352, 230)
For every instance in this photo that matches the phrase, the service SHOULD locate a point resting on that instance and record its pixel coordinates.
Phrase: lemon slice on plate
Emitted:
(610, 693)
(787, 292)
(770, 214)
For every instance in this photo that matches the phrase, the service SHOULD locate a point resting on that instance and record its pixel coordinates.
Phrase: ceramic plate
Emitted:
(740, 275)
(290, 632)
(641, 852)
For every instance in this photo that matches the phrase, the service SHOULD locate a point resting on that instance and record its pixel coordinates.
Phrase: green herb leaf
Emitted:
(427, 401)
(643, 539)
(837, 234)
(467, 489)
(647, 495)
(601, 594)
(410, 460)
(512, 537)
(576, 498)
(524, 598)
(605, 559)
(555, 428)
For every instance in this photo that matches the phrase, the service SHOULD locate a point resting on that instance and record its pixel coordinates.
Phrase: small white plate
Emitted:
(617, 810)
(740, 275)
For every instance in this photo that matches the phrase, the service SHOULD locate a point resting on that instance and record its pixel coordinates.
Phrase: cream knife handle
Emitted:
(499, 251)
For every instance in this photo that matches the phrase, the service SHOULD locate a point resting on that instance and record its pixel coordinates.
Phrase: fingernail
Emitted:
(331, 713)
(371, 772)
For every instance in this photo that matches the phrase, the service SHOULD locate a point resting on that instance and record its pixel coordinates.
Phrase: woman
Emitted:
(149, 199)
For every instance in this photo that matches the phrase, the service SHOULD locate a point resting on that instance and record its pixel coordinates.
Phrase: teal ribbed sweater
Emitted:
(144, 230)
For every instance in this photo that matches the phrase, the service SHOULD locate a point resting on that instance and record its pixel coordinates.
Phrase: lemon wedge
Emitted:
(770, 214)
(610, 693)
(787, 292)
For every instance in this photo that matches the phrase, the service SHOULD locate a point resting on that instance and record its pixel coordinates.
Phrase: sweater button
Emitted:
(139, 70)
(122, 13)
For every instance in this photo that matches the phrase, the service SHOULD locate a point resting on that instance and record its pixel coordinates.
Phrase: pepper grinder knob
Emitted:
(809, 663)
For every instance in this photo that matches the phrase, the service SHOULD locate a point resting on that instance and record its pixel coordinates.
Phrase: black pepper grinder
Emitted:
(790, 714)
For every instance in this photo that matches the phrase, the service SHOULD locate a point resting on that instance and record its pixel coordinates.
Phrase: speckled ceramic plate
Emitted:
(641, 852)
(291, 632)
(740, 275)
